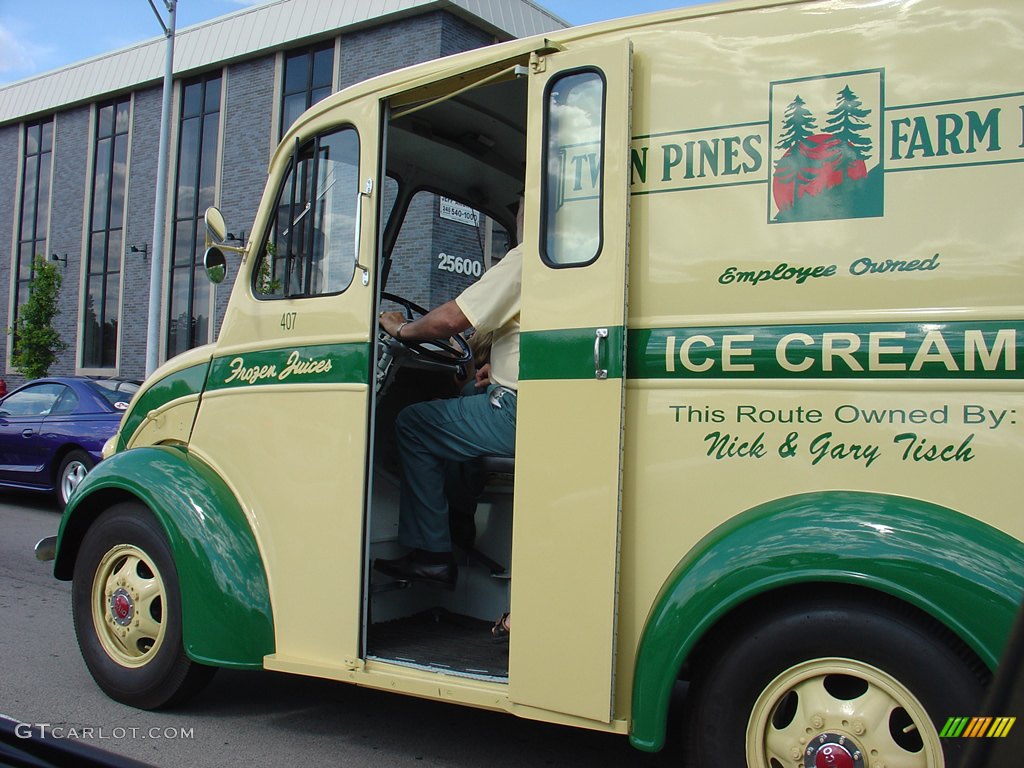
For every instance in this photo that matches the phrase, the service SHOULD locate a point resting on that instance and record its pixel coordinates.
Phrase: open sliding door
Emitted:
(568, 455)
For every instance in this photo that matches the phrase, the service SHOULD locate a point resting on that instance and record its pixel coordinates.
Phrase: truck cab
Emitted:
(765, 405)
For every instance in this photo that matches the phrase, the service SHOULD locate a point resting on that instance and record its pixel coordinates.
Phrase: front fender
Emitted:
(226, 613)
(964, 573)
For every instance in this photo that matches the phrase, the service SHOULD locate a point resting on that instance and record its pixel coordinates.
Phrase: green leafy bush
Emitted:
(36, 342)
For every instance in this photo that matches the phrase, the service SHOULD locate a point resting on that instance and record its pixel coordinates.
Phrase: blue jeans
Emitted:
(433, 433)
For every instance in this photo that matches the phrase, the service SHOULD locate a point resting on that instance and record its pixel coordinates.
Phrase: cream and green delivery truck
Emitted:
(769, 434)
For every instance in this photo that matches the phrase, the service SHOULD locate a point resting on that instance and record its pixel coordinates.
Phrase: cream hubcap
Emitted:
(840, 713)
(129, 606)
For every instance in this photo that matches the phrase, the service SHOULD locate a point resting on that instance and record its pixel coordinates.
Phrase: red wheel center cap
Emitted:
(122, 608)
(833, 750)
(833, 756)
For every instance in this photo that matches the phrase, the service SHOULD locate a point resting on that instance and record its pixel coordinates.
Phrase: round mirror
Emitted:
(215, 225)
(216, 265)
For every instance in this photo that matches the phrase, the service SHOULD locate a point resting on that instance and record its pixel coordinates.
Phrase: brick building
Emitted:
(79, 146)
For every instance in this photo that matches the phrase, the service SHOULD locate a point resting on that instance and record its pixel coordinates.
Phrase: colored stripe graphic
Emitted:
(1001, 727)
(953, 728)
(977, 727)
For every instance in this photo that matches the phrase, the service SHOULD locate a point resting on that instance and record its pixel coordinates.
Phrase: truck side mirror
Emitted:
(216, 265)
(216, 229)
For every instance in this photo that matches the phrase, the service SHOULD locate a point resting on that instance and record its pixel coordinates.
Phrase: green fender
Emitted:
(226, 614)
(964, 573)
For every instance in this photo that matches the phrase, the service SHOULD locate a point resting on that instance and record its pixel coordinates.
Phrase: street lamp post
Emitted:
(160, 207)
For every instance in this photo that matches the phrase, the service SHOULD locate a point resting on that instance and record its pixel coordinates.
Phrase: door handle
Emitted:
(28, 432)
(360, 194)
(600, 335)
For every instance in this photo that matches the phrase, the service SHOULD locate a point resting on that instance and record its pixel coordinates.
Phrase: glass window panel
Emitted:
(312, 250)
(43, 197)
(101, 180)
(196, 190)
(33, 400)
(21, 294)
(573, 187)
(46, 136)
(323, 68)
(105, 124)
(296, 72)
(212, 101)
(192, 100)
(179, 312)
(319, 94)
(92, 338)
(121, 119)
(114, 252)
(208, 163)
(97, 253)
(117, 182)
(101, 302)
(28, 250)
(389, 190)
(294, 106)
(66, 403)
(334, 256)
(200, 307)
(183, 244)
(109, 356)
(188, 159)
(28, 197)
(32, 139)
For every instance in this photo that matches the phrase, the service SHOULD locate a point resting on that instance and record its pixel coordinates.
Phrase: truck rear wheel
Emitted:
(830, 683)
(127, 610)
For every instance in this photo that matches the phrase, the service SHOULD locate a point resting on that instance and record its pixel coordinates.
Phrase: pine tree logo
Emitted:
(829, 172)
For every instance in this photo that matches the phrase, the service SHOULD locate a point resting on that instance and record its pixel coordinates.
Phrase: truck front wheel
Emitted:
(832, 683)
(127, 610)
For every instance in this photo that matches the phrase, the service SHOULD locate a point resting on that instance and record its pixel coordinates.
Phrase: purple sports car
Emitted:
(52, 430)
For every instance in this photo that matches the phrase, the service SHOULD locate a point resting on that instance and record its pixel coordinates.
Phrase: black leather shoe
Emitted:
(408, 568)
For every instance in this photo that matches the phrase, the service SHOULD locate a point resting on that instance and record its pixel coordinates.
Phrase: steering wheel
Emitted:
(440, 351)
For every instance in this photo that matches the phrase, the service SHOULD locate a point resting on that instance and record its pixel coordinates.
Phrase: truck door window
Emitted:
(574, 139)
(311, 248)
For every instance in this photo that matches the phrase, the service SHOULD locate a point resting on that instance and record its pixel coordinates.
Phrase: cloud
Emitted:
(19, 57)
(14, 54)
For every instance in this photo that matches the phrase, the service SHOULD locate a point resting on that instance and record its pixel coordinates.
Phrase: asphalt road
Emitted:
(246, 719)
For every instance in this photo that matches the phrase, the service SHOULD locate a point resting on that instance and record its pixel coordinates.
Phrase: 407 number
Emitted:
(458, 265)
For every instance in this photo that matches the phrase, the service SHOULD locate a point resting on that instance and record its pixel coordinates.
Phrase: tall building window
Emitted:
(34, 209)
(198, 136)
(308, 78)
(102, 299)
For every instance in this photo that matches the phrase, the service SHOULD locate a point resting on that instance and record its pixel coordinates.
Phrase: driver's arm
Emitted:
(443, 322)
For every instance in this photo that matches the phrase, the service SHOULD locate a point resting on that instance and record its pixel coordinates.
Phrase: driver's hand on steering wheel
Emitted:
(390, 321)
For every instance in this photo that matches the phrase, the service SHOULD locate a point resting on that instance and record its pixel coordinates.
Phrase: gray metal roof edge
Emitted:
(25, 99)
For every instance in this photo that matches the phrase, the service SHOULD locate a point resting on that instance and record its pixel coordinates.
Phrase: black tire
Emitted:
(75, 466)
(769, 694)
(127, 609)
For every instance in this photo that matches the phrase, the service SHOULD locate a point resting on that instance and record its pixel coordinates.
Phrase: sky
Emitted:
(43, 35)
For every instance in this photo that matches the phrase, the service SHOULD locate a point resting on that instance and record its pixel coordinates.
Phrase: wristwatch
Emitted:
(398, 331)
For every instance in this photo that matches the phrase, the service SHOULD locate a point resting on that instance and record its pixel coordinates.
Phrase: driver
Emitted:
(435, 432)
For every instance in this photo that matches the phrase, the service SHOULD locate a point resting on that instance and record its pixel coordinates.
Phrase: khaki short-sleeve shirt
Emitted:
(492, 304)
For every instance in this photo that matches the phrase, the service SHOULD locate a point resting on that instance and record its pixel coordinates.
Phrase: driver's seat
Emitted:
(487, 478)
(499, 472)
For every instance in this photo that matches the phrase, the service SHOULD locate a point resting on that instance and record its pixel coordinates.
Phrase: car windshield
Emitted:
(115, 391)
